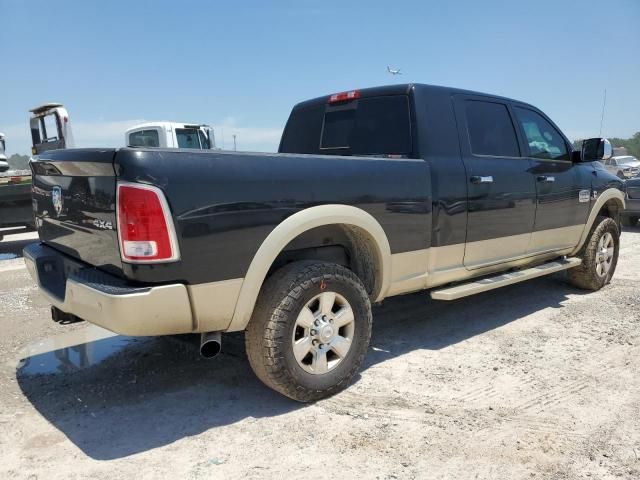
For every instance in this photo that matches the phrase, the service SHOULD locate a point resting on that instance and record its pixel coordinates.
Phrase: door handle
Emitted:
(546, 178)
(482, 179)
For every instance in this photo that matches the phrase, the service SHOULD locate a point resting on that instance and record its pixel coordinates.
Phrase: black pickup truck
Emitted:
(374, 193)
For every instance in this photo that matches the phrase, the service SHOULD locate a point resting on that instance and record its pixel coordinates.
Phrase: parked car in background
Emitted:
(15, 200)
(631, 213)
(624, 166)
(171, 135)
(3, 156)
(15, 194)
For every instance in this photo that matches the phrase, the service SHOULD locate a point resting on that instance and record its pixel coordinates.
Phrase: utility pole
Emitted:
(604, 102)
(234, 142)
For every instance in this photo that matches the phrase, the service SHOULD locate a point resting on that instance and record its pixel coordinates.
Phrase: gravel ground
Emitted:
(536, 380)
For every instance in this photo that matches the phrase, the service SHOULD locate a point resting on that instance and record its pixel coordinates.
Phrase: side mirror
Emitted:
(596, 149)
(4, 166)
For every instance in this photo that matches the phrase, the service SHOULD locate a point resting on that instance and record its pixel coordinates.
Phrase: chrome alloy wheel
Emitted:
(323, 333)
(604, 254)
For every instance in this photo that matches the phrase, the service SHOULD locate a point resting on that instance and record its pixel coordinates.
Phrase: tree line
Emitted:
(18, 162)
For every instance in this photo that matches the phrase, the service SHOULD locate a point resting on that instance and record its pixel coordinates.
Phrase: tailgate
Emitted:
(74, 198)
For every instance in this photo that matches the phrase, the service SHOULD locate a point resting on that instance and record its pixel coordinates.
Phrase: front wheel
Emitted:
(310, 330)
(599, 256)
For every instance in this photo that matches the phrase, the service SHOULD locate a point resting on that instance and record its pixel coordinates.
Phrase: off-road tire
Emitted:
(269, 333)
(585, 275)
(629, 221)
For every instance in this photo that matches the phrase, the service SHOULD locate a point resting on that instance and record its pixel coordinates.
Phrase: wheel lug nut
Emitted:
(316, 323)
(314, 343)
(314, 332)
(331, 320)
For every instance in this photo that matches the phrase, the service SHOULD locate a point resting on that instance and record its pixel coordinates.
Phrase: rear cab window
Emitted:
(144, 138)
(369, 126)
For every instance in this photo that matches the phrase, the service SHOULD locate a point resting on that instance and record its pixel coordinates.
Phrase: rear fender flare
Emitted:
(289, 229)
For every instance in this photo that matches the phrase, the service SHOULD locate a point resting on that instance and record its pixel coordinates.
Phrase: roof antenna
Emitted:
(604, 102)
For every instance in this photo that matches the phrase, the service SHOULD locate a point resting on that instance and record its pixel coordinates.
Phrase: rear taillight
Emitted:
(344, 96)
(145, 226)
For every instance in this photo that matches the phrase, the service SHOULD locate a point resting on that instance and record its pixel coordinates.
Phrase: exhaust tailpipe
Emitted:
(210, 344)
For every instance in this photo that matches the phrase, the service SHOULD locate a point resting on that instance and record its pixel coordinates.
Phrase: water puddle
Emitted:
(72, 351)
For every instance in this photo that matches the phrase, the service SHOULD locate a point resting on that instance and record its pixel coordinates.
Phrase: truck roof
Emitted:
(165, 125)
(404, 88)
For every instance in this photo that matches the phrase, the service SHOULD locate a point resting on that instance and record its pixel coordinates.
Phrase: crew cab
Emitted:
(374, 193)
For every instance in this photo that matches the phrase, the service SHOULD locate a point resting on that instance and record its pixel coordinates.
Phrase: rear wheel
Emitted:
(599, 256)
(310, 330)
(629, 221)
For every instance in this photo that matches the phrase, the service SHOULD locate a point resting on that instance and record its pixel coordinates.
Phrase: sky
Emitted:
(241, 65)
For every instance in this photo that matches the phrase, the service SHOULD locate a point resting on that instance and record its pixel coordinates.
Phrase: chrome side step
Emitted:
(489, 283)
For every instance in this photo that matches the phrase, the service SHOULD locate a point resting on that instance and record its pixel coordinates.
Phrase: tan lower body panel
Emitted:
(435, 266)
(163, 310)
(213, 304)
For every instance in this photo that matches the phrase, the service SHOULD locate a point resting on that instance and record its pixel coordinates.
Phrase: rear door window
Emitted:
(491, 131)
(543, 139)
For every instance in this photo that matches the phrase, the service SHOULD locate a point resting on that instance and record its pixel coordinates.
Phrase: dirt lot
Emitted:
(538, 380)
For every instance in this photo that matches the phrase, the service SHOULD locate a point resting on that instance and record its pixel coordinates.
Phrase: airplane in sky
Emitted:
(393, 72)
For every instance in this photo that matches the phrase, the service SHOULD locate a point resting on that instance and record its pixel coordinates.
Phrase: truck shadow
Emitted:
(154, 391)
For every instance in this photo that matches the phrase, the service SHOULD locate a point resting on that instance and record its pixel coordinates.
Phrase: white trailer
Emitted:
(171, 135)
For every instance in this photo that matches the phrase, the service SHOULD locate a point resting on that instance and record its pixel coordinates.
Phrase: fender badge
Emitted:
(594, 195)
(584, 196)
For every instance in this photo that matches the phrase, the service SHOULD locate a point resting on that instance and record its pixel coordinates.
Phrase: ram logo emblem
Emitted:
(56, 199)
